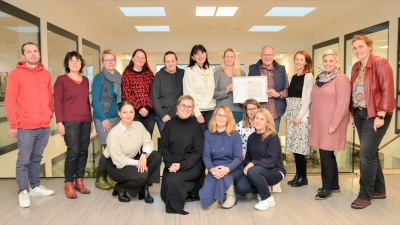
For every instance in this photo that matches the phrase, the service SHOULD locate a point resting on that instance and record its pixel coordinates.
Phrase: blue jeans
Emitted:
(257, 181)
(77, 139)
(207, 117)
(371, 175)
(237, 116)
(277, 124)
(160, 123)
(31, 144)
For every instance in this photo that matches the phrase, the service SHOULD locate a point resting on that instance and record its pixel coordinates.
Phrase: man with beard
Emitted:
(29, 108)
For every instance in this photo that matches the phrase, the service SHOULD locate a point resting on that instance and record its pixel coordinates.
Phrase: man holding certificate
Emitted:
(278, 83)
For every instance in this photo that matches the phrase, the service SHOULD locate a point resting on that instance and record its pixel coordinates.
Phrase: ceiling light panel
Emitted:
(226, 11)
(143, 11)
(152, 28)
(205, 11)
(290, 11)
(266, 28)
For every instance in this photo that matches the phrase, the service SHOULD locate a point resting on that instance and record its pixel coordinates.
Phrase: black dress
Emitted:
(182, 141)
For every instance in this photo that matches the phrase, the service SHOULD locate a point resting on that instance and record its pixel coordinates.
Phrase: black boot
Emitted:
(295, 178)
(300, 182)
(145, 194)
(122, 197)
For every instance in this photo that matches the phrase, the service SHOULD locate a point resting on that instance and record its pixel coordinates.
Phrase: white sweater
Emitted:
(199, 84)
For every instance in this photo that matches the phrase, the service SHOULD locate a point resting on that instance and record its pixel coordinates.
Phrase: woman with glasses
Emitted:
(182, 142)
(166, 89)
(223, 93)
(106, 96)
(246, 126)
(222, 157)
(263, 162)
(137, 79)
(199, 83)
(372, 105)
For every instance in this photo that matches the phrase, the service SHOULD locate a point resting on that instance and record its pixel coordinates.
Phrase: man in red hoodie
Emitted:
(29, 107)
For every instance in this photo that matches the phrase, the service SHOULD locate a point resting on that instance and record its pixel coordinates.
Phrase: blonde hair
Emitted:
(246, 120)
(330, 52)
(105, 52)
(271, 123)
(230, 126)
(183, 98)
(236, 65)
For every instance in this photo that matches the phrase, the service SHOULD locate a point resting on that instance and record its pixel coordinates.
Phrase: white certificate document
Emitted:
(250, 87)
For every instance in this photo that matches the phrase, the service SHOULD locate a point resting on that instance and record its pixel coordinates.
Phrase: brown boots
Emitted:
(70, 189)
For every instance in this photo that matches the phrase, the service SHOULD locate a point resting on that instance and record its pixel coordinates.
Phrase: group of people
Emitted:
(212, 148)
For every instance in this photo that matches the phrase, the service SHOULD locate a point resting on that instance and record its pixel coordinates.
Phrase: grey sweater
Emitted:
(221, 83)
(165, 91)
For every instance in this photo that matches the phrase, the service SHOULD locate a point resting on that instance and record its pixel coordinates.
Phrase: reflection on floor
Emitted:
(294, 206)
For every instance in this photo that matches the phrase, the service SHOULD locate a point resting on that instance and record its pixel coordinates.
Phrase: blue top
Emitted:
(222, 150)
(98, 112)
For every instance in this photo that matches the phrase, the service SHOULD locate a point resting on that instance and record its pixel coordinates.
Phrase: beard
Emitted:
(32, 62)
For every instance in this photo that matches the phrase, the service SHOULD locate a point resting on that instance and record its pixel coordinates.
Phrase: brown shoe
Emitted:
(69, 190)
(80, 186)
(360, 203)
(379, 195)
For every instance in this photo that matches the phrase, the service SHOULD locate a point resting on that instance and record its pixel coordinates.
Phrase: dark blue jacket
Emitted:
(279, 78)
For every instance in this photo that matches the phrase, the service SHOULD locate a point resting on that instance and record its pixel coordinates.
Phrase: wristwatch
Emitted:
(380, 117)
(145, 153)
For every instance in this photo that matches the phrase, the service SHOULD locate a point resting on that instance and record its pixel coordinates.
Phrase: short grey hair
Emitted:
(330, 52)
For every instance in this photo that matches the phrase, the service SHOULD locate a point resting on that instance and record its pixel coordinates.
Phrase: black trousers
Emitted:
(77, 139)
(301, 164)
(148, 121)
(130, 179)
(329, 170)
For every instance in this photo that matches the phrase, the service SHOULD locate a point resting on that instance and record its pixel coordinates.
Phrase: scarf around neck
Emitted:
(116, 80)
(325, 77)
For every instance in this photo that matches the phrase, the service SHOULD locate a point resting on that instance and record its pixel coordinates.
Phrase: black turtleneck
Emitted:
(182, 141)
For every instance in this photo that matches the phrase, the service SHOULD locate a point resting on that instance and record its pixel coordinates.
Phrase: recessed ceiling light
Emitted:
(226, 11)
(266, 28)
(383, 46)
(205, 11)
(4, 14)
(24, 29)
(289, 11)
(143, 11)
(152, 28)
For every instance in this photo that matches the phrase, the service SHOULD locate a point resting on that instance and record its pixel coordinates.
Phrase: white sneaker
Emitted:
(265, 204)
(40, 190)
(24, 199)
(276, 188)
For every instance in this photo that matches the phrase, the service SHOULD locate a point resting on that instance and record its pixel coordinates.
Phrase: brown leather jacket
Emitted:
(378, 85)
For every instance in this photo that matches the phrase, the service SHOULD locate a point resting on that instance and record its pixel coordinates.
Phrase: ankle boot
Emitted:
(110, 181)
(294, 179)
(80, 186)
(230, 199)
(122, 197)
(300, 182)
(101, 182)
(69, 190)
(145, 194)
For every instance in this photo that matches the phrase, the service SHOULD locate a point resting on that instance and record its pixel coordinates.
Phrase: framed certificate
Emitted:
(250, 87)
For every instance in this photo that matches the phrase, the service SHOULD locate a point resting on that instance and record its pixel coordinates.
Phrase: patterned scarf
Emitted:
(116, 80)
(325, 77)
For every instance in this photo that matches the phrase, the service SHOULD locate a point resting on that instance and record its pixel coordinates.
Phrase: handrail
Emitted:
(389, 142)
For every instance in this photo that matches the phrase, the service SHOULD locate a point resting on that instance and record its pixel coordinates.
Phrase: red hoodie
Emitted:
(28, 101)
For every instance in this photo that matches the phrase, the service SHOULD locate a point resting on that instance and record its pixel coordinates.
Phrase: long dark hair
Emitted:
(131, 64)
(196, 49)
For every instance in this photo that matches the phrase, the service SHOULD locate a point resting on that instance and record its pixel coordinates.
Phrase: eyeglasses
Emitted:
(251, 110)
(221, 116)
(188, 107)
(268, 55)
(109, 60)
